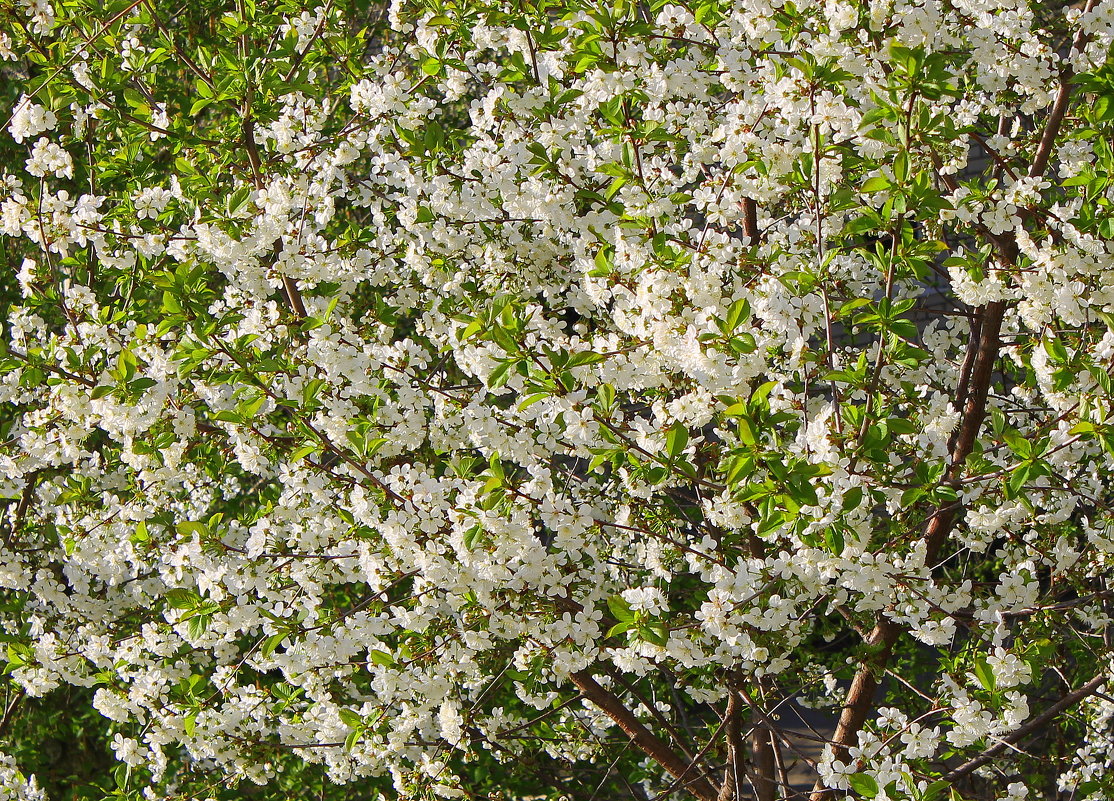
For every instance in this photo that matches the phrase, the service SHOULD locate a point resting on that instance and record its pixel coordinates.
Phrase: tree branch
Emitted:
(975, 379)
(750, 220)
(289, 287)
(860, 698)
(1041, 720)
(649, 743)
(1059, 107)
(762, 758)
(732, 787)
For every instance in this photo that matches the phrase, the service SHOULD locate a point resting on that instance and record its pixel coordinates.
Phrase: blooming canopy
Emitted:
(465, 398)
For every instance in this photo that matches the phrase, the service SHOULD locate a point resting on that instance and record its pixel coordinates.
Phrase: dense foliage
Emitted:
(538, 399)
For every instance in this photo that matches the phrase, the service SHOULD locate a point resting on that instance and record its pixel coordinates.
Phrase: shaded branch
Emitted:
(289, 287)
(648, 742)
(732, 787)
(1041, 720)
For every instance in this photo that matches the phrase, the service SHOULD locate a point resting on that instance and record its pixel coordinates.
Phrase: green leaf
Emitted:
(585, 357)
(676, 440)
(471, 535)
(602, 264)
(381, 658)
(350, 718)
(248, 409)
(530, 400)
(738, 468)
(135, 100)
(759, 396)
(141, 534)
(620, 609)
(126, 365)
(271, 643)
(863, 784)
(851, 306)
(619, 628)
(899, 425)
(736, 314)
(238, 200)
(746, 432)
(935, 791)
(901, 166)
(613, 188)
(654, 633)
(606, 395)
(473, 328)
(861, 225)
(1017, 478)
(743, 343)
(188, 527)
(500, 374)
(877, 183)
(180, 598)
(303, 451)
(985, 674)
(1086, 788)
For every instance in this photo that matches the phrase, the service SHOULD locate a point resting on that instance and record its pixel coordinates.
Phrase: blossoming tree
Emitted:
(541, 398)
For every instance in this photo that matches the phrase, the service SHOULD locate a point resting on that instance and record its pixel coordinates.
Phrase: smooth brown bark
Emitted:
(972, 393)
(881, 641)
(732, 787)
(762, 760)
(687, 773)
(750, 220)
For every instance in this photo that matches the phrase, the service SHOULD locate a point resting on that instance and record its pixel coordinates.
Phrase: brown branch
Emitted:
(25, 499)
(189, 62)
(779, 763)
(544, 715)
(860, 698)
(52, 368)
(732, 787)
(985, 348)
(1041, 720)
(762, 758)
(750, 220)
(12, 706)
(289, 287)
(968, 362)
(75, 54)
(1059, 107)
(679, 780)
(974, 386)
(655, 713)
(648, 742)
